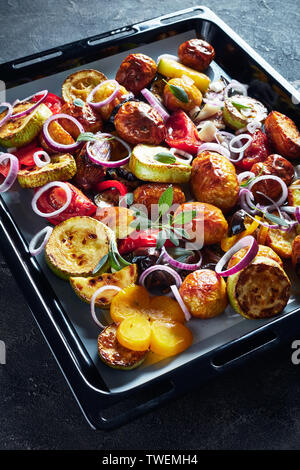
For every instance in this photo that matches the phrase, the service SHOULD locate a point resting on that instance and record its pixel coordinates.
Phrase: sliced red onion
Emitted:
(153, 101)
(247, 205)
(97, 105)
(167, 56)
(36, 251)
(215, 148)
(93, 300)
(238, 139)
(13, 171)
(297, 214)
(177, 264)
(235, 85)
(51, 142)
(37, 158)
(44, 188)
(187, 156)
(284, 188)
(160, 267)
(249, 256)
(34, 105)
(252, 126)
(214, 102)
(178, 297)
(8, 114)
(244, 175)
(107, 163)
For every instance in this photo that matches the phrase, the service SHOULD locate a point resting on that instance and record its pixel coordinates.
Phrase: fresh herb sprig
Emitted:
(178, 92)
(116, 261)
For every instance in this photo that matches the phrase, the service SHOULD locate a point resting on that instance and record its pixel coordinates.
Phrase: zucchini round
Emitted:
(81, 83)
(261, 290)
(21, 131)
(113, 354)
(61, 168)
(239, 110)
(144, 166)
(76, 245)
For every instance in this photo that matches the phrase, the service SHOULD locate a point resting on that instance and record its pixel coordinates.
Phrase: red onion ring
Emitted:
(245, 174)
(177, 264)
(37, 159)
(234, 84)
(44, 188)
(292, 210)
(13, 171)
(284, 188)
(238, 139)
(93, 300)
(178, 297)
(252, 126)
(97, 105)
(51, 142)
(160, 267)
(153, 101)
(249, 256)
(109, 164)
(36, 251)
(215, 148)
(32, 108)
(8, 114)
(188, 157)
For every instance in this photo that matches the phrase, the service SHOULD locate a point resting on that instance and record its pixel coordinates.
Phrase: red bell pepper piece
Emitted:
(55, 198)
(25, 156)
(182, 133)
(53, 102)
(144, 238)
(109, 184)
(258, 151)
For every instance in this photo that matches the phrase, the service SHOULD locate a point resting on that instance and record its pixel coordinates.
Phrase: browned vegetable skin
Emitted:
(296, 255)
(283, 135)
(148, 194)
(88, 173)
(196, 54)
(136, 72)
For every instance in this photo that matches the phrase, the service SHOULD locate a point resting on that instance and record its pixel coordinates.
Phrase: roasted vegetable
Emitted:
(148, 195)
(209, 226)
(172, 69)
(136, 72)
(58, 134)
(139, 123)
(281, 242)
(61, 168)
(296, 255)
(182, 133)
(76, 245)
(169, 338)
(204, 293)
(80, 84)
(117, 219)
(144, 166)
(273, 165)
(113, 354)
(258, 151)
(90, 121)
(88, 173)
(21, 131)
(250, 228)
(104, 92)
(214, 180)
(237, 223)
(294, 193)
(283, 134)
(196, 54)
(134, 333)
(85, 287)
(265, 251)
(239, 110)
(187, 90)
(261, 290)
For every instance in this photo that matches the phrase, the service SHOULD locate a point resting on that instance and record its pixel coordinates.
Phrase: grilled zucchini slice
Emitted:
(61, 168)
(113, 354)
(145, 167)
(21, 131)
(261, 290)
(76, 245)
(81, 83)
(85, 287)
(239, 110)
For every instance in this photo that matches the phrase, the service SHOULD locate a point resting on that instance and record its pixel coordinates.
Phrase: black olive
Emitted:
(237, 223)
(128, 97)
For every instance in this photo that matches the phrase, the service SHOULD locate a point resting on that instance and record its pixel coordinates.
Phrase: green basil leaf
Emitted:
(239, 105)
(275, 219)
(165, 200)
(78, 102)
(184, 217)
(126, 200)
(86, 137)
(161, 239)
(179, 93)
(173, 238)
(100, 264)
(165, 157)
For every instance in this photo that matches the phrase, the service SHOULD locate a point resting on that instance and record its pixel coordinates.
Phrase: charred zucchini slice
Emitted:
(21, 131)
(239, 110)
(76, 245)
(81, 83)
(85, 287)
(261, 290)
(145, 167)
(61, 168)
(113, 354)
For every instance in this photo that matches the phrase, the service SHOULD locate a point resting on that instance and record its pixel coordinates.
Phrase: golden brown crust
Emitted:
(265, 251)
(283, 134)
(214, 180)
(136, 72)
(139, 123)
(294, 193)
(193, 93)
(196, 54)
(281, 242)
(296, 254)
(148, 194)
(90, 121)
(204, 293)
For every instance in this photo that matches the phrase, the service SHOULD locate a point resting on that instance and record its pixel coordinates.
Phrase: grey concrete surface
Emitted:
(254, 407)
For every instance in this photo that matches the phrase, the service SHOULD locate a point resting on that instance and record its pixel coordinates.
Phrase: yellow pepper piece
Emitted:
(172, 69)
(228, 242)
(135, 333)
(169, 338)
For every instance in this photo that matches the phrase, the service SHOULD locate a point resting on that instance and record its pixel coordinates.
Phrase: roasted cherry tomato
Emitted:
(108, 184)
(144, 238)
(55, 198)
(53, 102)
(182, 133)
(25, 156)
(90, 121)
(196, 54)
(258, 151)
(136, 72)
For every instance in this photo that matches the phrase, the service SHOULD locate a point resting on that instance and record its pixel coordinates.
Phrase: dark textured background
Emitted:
(256, 407)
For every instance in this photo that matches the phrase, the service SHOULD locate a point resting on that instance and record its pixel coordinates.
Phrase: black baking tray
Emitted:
(110, 398)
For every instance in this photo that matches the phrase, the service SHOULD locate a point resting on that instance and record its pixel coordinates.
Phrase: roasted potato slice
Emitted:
(281, 242)
(296, 255)
(85, 287)
(283, 134)
(80, 84)
(294, 193)
(265, 251)
(148, 195)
